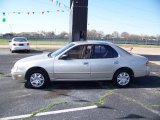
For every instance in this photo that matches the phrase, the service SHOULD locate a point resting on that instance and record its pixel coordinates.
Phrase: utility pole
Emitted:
(78, 20)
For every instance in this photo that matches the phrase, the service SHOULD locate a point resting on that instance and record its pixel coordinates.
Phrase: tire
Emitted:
(27, 51)
(122, 78)
(36, 79)
(12, 51)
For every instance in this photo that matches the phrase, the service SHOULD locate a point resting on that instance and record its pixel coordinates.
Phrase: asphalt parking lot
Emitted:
(78, 100)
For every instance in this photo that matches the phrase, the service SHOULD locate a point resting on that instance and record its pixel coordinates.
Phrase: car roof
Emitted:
(19, 37)
(92, 42)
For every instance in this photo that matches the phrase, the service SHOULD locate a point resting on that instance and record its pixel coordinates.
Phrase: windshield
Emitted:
(59, 51)
(20, 40)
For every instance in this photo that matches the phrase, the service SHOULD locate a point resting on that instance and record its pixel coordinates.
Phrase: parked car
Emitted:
(82, 61)
(19, 43)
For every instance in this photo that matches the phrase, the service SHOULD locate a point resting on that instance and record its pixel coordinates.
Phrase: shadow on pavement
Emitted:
(132, 116)
(36, 51)
(30, 52)
(147, 82)
(78, 85)
(142, 82)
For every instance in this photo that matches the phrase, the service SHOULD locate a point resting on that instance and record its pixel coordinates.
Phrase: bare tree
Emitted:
(125, 35)
(115, 34)
(63, 35)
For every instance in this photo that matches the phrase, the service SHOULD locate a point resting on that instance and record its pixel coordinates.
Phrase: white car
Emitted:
(19, 43)
(82, 61)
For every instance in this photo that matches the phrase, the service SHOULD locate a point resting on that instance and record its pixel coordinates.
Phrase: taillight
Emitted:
(27, 43)
(14, 44)
(147, 63)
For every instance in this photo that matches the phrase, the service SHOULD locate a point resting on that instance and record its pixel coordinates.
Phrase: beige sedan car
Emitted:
(82, 61)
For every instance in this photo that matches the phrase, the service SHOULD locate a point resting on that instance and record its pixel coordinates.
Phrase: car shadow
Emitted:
(36, 51)
(132, 116)
(78, 85)
(146, 82)
(30, 52)
(142, 82)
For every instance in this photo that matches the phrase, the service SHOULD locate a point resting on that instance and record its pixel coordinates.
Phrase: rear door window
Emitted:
(103, 51)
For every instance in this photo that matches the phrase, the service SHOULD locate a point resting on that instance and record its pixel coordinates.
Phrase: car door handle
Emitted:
(85, 63)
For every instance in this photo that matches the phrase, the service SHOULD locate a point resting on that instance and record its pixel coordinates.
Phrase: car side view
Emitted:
(19, 43)
(82, 61)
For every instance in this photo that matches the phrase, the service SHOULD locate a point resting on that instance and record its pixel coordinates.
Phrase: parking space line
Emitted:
(155, 62)
(154, 73)
(50, 112)
(24, 95)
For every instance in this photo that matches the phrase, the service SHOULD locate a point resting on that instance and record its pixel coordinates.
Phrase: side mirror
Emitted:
(9, 40)
(64, 57)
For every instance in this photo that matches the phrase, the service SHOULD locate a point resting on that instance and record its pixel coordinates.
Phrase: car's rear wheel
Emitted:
(36, 79)
(12, 51)
(28, 51)
(122, 78)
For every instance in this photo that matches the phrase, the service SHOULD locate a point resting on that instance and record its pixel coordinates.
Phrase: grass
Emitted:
(100, 101)
(45, 109)
(40, 42)
(64, 42)
(1, 74)
(139, 45)
(49, 42)
(4, 41)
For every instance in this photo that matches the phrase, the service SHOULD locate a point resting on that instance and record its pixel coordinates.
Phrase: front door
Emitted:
(75, 66)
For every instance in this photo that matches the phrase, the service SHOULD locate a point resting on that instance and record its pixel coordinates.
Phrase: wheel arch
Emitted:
(124, 68)
(37, 68)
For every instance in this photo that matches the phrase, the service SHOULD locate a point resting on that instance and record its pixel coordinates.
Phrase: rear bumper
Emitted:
(20, 48)
(145, 72)
(148, 71)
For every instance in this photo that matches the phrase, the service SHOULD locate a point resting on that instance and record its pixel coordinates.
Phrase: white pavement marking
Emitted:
(155, 62)
(50, 112)
(24, 95)
(155, 73)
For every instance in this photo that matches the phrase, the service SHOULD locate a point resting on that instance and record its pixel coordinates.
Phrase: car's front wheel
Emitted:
(122, 78)
(36, 79)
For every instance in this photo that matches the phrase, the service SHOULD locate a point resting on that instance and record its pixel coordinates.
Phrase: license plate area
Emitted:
(21, 44)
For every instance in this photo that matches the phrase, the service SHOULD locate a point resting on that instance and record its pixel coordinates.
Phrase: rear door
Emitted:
(103, 62)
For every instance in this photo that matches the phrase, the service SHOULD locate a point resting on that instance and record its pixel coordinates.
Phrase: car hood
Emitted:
(36, 58)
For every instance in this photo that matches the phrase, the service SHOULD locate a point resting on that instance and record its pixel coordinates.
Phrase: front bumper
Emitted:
(18, 76)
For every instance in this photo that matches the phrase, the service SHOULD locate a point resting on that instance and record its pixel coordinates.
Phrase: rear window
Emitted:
(128, 53)
(20, 39)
